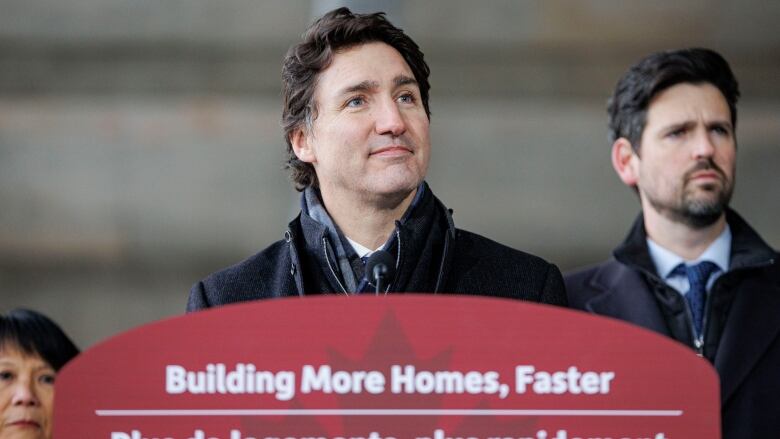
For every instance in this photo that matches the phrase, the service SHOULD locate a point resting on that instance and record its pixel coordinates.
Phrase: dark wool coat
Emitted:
(742, 337)
(434, 257)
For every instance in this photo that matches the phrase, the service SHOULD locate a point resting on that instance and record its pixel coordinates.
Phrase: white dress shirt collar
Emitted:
(361, 250)
(719, 252)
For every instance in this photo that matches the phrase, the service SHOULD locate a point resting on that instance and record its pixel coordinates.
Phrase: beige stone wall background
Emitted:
(140, 146)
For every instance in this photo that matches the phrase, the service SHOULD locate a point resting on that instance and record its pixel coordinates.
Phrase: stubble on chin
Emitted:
(700, 212)
(393, 197)
(697, 207)
(393, 187)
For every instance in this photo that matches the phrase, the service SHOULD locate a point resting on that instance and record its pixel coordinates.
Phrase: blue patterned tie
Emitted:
(698, 275)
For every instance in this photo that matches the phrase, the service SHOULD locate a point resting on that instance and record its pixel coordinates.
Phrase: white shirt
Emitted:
(361, 250)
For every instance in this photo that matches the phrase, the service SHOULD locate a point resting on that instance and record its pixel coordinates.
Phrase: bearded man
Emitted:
(691, 268)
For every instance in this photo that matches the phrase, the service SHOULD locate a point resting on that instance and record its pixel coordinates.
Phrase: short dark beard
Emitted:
(698, 213)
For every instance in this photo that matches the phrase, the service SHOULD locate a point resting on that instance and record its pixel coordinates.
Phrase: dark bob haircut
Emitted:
(337, 30)
(35, 334)
(627, 108)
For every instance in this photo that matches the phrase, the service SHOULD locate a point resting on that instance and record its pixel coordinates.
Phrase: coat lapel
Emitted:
(625, 295)
(752, 325)
(753, 321)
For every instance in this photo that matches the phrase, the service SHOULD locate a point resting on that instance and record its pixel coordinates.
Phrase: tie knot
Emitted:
(700, 273)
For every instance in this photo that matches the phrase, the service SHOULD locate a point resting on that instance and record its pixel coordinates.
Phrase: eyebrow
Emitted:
(361, 86)
(685, 125)
(691, 123)
(720, 123)
(404, 80)
(364, 86)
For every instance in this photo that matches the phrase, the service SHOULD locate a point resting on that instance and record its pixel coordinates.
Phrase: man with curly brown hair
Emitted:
(356, 121)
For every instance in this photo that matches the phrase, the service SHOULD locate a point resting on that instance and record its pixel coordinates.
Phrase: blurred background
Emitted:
(140, 145)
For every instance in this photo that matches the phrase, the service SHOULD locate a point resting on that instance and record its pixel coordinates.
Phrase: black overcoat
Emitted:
(743, 330)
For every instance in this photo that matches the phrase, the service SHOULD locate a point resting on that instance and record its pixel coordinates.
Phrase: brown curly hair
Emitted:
(337, 30)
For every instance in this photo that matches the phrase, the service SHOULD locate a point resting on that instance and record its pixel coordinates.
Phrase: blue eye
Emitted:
(676, 133)
(47, 378)
(407, 98)
(356, 102)
(720, 130)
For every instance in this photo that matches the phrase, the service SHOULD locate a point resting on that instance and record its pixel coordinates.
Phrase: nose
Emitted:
(703, 147)
(389, 119)
(24, 395)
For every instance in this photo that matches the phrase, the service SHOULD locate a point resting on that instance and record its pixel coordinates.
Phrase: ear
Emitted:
(625, 161)
(301, 146)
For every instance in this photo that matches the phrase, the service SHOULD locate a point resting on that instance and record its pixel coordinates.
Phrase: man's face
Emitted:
(686, 159)
(370, 136)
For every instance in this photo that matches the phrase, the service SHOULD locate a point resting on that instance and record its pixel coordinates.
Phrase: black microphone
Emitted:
(380, 268)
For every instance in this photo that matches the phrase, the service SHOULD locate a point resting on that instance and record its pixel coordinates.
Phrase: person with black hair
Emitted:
(691, 268)
(32, 350)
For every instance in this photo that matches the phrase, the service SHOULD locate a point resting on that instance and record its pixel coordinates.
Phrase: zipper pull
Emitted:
(698, 343)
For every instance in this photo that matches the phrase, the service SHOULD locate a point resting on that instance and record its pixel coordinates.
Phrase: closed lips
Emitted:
(394, 149)
(25, 423)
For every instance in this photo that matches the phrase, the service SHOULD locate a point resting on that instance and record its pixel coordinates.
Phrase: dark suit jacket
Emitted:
(743, 335)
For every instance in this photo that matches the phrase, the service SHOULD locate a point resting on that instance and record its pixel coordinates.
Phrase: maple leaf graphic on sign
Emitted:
(395, 411)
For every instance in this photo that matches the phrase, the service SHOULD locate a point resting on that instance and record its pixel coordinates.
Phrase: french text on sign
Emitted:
(135, 434)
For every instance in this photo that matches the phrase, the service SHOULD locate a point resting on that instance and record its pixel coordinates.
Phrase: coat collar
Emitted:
(748, 250)
(633, 251)
(427, 226)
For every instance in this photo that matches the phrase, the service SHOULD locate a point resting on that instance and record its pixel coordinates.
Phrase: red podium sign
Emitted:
(434, 367)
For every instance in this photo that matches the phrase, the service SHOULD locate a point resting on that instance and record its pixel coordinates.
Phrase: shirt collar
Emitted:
(361, 250)
(718, 252)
